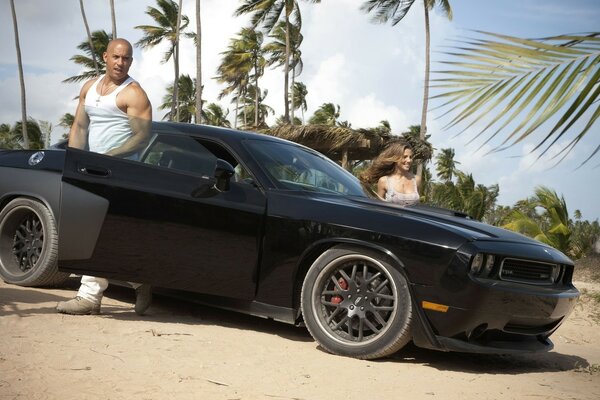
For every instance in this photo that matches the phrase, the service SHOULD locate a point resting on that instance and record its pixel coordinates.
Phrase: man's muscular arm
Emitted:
(78, 135)
(134, 101)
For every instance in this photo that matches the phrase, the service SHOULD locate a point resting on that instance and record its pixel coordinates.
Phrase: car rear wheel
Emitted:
(356, 304)
(29, 244)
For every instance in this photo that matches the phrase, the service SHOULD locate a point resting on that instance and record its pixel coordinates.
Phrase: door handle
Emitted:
(94, 171)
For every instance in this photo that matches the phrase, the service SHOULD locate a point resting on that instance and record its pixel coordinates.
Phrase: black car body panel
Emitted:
(249, 247)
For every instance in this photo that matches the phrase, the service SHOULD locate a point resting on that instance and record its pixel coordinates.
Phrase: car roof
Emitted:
(223, 133)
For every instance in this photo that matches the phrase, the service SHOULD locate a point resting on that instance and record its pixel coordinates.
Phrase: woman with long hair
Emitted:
(391, 171)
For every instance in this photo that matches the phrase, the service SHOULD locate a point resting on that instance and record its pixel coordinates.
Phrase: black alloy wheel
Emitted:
(355, 304)
(29, 244)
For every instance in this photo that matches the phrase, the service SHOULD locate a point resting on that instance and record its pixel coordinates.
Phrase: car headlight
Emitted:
(476, 263)
(482, 264)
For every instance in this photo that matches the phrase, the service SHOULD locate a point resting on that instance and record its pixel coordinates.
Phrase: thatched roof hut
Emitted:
(339, 143)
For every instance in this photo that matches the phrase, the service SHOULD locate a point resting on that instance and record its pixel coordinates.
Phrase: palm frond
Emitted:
(525, 85)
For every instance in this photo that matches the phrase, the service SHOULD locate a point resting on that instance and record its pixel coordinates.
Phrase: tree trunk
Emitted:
(175, 101)
(423, 131)
(256, 96)
(237, 105)
(198, 65)
(113, 19)
(292, 96)
(89, 36)
(286, 79)
(21, 79)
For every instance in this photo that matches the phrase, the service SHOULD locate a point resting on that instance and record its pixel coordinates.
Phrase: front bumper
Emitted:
(488, 316)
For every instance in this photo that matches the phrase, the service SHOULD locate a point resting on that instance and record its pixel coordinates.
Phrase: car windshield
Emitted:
(294, 167)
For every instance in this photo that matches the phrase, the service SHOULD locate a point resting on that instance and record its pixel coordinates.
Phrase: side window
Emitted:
(188, 154)
(182, 153)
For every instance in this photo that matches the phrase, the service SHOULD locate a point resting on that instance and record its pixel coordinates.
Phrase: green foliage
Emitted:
(12, 137)
(543, 217)
(327, 114)
(186, 95)
(100, 41)
(521, 85)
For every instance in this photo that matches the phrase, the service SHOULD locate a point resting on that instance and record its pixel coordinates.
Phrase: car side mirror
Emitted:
(223, 173)
(219, 184)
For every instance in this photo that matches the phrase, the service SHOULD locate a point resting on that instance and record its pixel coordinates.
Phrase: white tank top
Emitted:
(404, 199)
(109, 125)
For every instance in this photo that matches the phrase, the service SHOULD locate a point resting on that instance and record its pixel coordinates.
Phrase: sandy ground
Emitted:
(185, 351)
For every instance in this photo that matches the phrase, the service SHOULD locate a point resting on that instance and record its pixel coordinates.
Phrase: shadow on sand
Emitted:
(169, 310)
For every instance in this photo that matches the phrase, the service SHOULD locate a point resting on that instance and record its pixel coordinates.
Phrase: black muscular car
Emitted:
(268, 227)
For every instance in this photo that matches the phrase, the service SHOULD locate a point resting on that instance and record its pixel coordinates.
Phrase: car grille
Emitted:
(526, 271)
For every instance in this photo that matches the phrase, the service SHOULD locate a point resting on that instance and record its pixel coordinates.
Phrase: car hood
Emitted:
(451, 220)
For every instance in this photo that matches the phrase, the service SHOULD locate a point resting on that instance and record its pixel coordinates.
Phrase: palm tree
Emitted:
(199, 86)
(169, 24)
(8, 140)
(99, 45)
(395, 10)
(89, 36)
(242, 63)
(277, 50)
(299, 93)
(464, 195)
(267, 13)
(186, 103)
(66, 121)
(446, 165)
(327, 114)
(531, 80)
(216, 116)
(550, 227)
(113, 19)
(253, 104)
(35, 136)
(21, 79)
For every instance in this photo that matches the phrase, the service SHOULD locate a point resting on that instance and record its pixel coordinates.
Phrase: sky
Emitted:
(374, 72)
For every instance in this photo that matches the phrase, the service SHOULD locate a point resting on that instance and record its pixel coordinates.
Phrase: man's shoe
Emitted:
(143, 298)
(78, 306)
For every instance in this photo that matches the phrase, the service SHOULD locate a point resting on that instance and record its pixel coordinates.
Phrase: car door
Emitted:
(157, 229)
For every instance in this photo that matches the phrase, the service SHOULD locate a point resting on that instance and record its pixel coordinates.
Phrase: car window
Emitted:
(182, 153)
(190, 154)
(295, 167)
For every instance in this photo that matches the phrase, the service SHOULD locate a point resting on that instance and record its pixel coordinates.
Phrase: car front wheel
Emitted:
(29, 244)
(356, 304)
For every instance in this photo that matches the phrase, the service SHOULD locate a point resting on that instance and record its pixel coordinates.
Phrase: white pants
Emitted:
(93, 287)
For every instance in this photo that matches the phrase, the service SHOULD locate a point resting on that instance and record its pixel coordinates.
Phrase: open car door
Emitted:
(160, 220)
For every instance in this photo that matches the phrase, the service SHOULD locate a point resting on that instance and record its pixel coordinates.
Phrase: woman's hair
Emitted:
(385, 162)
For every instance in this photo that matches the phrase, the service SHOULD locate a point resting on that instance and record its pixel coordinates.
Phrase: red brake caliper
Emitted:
(344, 285)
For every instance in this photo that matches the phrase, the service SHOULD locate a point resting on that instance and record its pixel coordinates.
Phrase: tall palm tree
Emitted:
(199, 86)
(255, 108)
(395, 10)
(21, 78)
(35, 136)
(99, 45)
(327, 114)
(299, 93)
(243, 62)
(515, 79)
(186, 103)
(446, 165)
(267, 13)
(551, 226)
(89, 36)
(216, 116)
(169, 24)
(113, 19)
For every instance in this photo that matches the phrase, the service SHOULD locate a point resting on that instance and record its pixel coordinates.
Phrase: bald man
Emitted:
(113, 117)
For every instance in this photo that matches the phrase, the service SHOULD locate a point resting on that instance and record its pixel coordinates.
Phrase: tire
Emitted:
(345, 321)
(29, 245)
